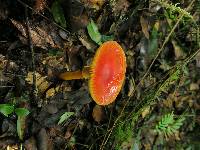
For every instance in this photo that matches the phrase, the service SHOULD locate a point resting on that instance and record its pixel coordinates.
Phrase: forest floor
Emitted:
(159, 104)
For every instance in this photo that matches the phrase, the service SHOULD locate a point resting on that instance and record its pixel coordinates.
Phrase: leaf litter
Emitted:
(66, 39)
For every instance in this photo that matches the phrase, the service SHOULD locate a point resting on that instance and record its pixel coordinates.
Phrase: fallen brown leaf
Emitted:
(41, 82)
(96, 4)
(197, 58)
(194, 86)
(12, 147)
(145, 112)
(179, 53)
(120, 6)
(98, 113)
(40, 5)
(144, 25)
(43, 34)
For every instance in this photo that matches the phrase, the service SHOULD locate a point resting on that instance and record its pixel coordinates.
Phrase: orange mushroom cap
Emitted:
(108, 72)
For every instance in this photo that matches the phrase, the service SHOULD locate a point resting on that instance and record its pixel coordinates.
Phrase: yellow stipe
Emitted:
(70, 75)
(84, 74)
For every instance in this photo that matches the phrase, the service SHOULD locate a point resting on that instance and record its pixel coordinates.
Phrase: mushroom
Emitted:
(106, 73)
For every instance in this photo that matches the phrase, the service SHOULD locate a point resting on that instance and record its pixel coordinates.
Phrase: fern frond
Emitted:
(175, 75)
(174, 8)
(123, 133)
(168, 125)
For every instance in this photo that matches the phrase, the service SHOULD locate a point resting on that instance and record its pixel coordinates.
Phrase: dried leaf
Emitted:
(96, 4)
(40, 5)
(68, 134)
(54, 61)
(41, 82)
(164, 65)
(30, 143)
(169, 101)
(3, 78)
(197, 58)
(79, 22)
(179, 53)
(86, 43)
(98, 113)
(83, 38)
(194, 86)
(21, 27)
(145, 112)
(132, 86)
(51, 92)
(119, 6)
(147, 146)
(12, 147)
(154, 7)
(41, 35)
(144, 25)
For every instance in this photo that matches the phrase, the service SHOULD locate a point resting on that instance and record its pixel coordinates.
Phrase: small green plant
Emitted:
(65, 116)
(95, 35)
(7, 109)
(174, 76)
(153, 94)
(123, 133)
(21, 118)
(168, 125)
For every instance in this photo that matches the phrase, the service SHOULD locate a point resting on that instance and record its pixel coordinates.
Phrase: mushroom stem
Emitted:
(80, 74)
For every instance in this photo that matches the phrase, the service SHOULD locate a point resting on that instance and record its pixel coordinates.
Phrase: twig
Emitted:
(6, 86)
(35, 91)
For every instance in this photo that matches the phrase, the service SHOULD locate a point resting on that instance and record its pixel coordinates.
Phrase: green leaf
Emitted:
(168, 125)
(153, 41)
(6, 109)
(20, 126)
(65, 116)
(94, 32)
(58, 14)
(22, 112)
(105, 38)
